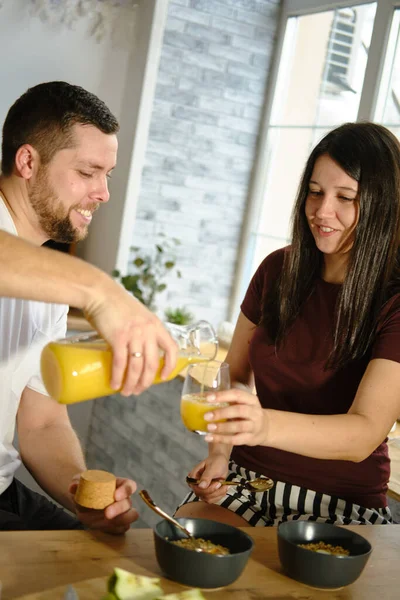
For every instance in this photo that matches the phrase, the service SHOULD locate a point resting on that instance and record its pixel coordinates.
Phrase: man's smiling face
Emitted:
(65, 192)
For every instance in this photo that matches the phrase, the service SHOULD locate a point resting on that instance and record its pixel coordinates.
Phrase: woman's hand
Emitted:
(245, 421)
(117, 517)
(212, 468)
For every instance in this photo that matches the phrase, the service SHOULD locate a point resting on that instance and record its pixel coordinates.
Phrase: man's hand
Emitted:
(117, 517)
(137, 338)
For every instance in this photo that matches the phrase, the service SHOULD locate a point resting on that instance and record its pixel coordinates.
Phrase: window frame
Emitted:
(368, 102)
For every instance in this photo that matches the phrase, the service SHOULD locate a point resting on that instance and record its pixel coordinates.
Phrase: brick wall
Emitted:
(211, 85)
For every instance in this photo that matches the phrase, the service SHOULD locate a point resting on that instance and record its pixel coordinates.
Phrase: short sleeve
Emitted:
(56, 329)
(387, 340)
(266, 273)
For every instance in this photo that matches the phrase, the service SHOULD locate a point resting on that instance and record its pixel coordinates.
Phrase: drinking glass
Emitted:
(202, 379)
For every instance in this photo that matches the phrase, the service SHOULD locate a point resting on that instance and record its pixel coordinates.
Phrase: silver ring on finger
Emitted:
(136, 354)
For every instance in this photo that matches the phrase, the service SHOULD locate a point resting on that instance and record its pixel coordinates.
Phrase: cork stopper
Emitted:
(96, 489)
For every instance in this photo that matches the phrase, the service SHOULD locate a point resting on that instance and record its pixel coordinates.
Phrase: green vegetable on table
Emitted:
(123, 585)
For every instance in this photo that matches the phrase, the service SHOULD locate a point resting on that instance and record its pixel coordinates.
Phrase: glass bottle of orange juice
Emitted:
(79, 368)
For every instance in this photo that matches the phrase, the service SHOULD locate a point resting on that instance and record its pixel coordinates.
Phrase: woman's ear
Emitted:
(26, 161)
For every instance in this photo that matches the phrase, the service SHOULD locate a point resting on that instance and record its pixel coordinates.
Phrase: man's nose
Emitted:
(101, 191)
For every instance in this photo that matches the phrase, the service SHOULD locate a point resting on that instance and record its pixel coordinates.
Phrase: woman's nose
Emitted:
(326, 207)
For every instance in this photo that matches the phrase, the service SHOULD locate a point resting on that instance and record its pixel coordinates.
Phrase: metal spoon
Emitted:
(145, 496)
(260, 484)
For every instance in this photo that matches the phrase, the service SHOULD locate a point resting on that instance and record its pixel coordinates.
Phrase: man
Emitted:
(59, 147)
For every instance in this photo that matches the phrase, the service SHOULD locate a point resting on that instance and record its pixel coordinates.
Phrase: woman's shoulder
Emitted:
(273, 263)
(262, 281)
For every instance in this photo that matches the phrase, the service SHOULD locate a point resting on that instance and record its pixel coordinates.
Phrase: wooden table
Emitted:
(36, 561)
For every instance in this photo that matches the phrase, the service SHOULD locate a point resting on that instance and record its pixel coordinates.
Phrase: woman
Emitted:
(319, 334)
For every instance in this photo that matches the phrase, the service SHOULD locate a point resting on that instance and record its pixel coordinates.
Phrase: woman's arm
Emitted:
(238, 354)
(352, 436)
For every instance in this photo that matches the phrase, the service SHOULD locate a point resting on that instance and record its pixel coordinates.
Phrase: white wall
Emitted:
(33, 52)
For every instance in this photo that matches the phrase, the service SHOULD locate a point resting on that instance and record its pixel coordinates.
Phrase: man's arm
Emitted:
(51, 451)
(36, 273)
(48, 445)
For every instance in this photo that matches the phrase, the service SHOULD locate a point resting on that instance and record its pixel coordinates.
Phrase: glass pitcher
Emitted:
(79, 368)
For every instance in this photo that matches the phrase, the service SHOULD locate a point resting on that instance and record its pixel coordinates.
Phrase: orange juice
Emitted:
(193, 409)
(73, 372)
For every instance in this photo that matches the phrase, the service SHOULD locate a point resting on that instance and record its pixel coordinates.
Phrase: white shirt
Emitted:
(25, 328)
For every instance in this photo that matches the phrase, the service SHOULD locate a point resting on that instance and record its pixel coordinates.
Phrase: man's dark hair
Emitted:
(370, 154)
(44, 116)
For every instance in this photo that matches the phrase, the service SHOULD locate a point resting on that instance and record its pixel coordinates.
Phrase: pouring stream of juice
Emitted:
(79, 368)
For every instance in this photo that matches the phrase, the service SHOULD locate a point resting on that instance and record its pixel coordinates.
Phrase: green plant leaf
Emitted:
(115, 273)
(179, 316)
(151, 269)
(130, 282)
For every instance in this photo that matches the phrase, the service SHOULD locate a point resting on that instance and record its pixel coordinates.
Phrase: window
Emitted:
(328, 71)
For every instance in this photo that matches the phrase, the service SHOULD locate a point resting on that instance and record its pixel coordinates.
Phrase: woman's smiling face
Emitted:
(331, 207)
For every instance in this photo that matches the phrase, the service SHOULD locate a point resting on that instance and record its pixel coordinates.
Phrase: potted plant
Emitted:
(150, 271)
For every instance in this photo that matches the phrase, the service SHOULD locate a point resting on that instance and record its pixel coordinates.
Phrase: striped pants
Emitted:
(287, 502)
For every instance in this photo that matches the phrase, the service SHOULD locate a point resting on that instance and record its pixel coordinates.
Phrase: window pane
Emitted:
(322, 67)
(388, 108)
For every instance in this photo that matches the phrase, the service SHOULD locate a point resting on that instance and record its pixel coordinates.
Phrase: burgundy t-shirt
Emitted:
(294, 380)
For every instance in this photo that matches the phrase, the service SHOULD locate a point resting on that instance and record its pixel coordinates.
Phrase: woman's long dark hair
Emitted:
(370, 154)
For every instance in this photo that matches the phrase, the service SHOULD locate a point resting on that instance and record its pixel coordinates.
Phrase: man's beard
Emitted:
(53, 218)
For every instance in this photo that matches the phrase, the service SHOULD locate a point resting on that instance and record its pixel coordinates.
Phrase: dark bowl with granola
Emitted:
(322, 555)
(226, 551)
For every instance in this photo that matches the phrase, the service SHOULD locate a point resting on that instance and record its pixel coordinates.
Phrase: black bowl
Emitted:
(321, 570)
(199, 569)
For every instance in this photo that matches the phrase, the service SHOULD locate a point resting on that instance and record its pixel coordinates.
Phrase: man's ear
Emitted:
(26, 161)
